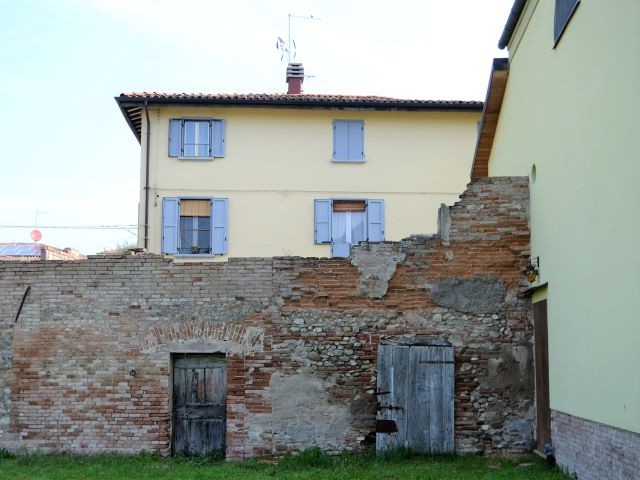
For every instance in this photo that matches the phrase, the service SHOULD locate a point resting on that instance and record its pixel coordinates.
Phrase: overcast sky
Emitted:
(69, 156)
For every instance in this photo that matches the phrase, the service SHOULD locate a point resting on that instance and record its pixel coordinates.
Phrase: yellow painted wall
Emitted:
(573, 111)
(277, 161)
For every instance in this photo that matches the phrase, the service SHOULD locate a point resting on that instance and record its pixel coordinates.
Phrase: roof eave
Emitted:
(512, 21)
(127, 117)
(295, 103)
(490, 115)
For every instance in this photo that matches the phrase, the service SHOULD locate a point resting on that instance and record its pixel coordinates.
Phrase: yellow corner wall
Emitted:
(573, 112)
(277, 161)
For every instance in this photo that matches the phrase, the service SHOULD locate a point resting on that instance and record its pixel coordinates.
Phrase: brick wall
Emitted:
(593, 451)
(53, 253)
(87, 365)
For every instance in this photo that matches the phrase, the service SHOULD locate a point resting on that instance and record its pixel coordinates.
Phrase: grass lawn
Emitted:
(311, 464)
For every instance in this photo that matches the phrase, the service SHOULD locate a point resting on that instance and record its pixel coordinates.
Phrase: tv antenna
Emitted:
(286, 48)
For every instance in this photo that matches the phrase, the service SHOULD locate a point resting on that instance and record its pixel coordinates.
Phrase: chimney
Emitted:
(295, 77)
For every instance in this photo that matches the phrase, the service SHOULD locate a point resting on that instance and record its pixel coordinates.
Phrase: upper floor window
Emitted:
(344, 223)
(348, 140)
(563, 13)
(196, 138)
(194, 226)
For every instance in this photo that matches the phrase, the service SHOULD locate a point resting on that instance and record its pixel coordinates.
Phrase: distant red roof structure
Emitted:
(36, 252)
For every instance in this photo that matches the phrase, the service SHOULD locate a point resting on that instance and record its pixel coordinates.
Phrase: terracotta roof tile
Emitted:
(21, 259)
(295, 98)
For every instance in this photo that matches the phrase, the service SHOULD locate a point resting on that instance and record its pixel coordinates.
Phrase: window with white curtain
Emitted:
(347, 229)
(346, 222)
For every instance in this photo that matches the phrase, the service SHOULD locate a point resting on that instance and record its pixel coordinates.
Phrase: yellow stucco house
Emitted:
(564, 111)
(256, 175)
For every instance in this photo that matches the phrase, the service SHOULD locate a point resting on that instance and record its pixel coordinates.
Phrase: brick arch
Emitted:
(223, 337)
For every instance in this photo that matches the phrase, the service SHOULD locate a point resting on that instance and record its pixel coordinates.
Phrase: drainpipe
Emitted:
(146, 182)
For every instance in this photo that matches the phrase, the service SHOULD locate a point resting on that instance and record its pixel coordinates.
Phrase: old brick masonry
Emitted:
(86, 367)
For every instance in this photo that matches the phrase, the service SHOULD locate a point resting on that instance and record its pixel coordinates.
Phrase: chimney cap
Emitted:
(295, 70)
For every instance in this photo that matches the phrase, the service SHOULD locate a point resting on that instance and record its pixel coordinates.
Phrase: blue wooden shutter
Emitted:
(322, 218)
(356, 140)
(340, 140)
(175, 138)
(219, 225)
(218, 137)
(170, 221)
(375, 220)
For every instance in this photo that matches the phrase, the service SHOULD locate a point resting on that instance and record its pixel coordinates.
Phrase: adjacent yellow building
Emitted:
(568, 118)
(229, 175)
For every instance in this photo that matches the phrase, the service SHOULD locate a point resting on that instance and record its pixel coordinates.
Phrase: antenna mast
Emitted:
(280, 43)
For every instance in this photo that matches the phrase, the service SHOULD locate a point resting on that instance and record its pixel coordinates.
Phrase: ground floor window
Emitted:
(347, 222)
(347, 226)
(194, 226)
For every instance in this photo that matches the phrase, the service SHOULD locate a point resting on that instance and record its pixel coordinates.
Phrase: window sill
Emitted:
(194, 255)
(207, 258)
(198, 159)
(361, 160)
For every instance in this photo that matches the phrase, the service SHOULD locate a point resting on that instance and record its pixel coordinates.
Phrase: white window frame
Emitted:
(196, 136)
(194, 233)
(179, 238)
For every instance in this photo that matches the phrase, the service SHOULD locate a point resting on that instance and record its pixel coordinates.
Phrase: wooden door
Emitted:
(416, 398)
(199, 403)
(541, 351)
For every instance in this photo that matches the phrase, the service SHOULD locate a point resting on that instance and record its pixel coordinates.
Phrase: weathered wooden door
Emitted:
(541, 351)
(199, 403)
(416, 398)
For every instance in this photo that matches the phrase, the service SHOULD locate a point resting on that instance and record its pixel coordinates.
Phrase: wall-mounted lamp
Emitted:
(532, 269)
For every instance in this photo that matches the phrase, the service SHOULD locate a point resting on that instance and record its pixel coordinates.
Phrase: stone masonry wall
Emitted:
(86, 367)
